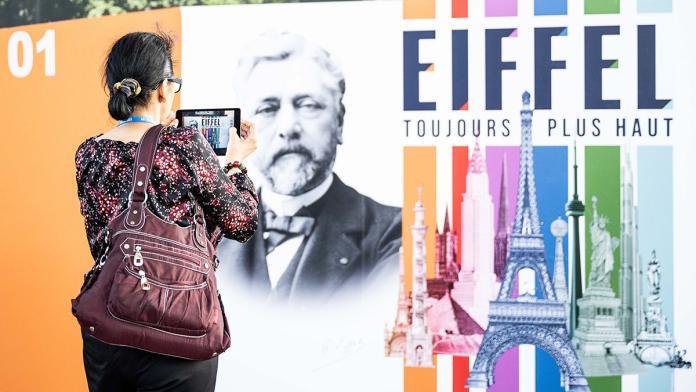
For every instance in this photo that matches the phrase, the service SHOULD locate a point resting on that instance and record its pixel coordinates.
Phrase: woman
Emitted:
(138, 74)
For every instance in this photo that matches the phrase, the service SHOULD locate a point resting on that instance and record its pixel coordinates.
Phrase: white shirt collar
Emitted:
(289, 205)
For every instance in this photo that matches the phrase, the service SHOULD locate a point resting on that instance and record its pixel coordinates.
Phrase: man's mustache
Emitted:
(296, 149)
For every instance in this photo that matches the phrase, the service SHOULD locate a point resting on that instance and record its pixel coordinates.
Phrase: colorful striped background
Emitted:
(652, 168)
(425, 9)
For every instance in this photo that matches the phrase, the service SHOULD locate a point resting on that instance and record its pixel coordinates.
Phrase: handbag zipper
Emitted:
(144, 284)
(141, 275)
(170, 249)
(184, 263)
(138, 257)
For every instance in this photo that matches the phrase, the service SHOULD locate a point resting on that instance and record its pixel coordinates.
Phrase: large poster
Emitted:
(311, 304)
(455, 195)
(557, 143)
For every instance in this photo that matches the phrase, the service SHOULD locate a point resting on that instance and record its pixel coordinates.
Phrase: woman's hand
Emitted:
(170, 120)
(238, 148)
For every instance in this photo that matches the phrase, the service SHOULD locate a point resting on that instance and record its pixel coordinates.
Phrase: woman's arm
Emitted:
(230, 202)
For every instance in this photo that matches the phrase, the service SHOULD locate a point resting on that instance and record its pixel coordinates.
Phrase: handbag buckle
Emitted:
(130, 197)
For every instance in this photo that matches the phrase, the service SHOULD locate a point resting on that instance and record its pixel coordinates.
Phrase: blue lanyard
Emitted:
(144, 119)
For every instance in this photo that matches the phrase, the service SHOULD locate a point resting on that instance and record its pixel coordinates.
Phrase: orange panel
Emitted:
(45, 251)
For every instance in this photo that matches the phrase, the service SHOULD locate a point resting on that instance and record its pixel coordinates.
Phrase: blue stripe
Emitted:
(655, 231)
(550, 7)
(648, 6)
(551, 172)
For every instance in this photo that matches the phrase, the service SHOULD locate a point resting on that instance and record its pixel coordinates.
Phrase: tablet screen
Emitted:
(213, 124)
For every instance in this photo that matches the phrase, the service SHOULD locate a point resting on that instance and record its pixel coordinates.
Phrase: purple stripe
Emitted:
(507, 369)
(494, 164)
(501, 7)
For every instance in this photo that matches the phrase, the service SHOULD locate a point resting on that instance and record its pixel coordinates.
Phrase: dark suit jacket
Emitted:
(354, 243)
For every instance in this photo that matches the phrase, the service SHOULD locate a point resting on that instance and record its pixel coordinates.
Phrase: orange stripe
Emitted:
(421, 379)
(45, 256)
(419, 171)
(419, 9)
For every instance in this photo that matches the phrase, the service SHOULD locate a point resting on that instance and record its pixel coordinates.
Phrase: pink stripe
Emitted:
(501, 7)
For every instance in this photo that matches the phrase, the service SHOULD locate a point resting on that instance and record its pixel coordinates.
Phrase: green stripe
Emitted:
(605, 384)
(602, 6)
(602, 179)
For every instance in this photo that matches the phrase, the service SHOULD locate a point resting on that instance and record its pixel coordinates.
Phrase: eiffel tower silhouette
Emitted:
(527, 319)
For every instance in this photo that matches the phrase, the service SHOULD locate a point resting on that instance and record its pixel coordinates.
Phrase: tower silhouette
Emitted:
(502, 234)
(575, 209)
(419, 342)
(526, 319)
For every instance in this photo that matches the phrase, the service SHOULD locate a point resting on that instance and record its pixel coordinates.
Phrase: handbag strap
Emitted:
(144, 158)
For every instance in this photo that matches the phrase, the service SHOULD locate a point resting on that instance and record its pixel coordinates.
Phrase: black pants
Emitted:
(124, 369)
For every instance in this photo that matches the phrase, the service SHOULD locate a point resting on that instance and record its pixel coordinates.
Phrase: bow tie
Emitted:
(279, 228)
(294, 224)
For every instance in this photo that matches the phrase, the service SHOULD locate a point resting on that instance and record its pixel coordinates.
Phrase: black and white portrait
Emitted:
(318, 238)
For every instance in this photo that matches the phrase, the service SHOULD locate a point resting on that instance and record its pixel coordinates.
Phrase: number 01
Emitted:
(21, 68)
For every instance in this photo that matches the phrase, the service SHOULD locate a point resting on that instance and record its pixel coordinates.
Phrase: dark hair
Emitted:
(145, 57)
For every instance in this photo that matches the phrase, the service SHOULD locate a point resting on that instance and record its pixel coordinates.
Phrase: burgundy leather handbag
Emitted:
(154, 287)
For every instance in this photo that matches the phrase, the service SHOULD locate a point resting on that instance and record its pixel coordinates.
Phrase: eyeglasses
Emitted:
(176, 81)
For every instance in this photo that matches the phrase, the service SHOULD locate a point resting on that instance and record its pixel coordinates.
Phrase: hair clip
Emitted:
(135, 90)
